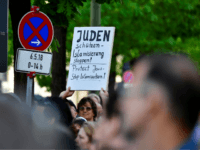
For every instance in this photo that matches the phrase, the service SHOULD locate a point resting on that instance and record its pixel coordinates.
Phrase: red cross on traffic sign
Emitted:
(35, 31)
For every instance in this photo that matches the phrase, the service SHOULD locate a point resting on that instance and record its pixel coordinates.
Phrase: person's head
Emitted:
(166, 88)
(85, 135)
(95, 98)
(65, 115)
(72, 107)
(77, 124)
(107, 130)
(11, 97)
(22, 127)
(87, 109)
(98, 102)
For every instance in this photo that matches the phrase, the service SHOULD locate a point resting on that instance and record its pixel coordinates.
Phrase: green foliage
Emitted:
(142, 26)
(60, 13)
(44, 81)
(108, 1)
(54, 46)
(190, 46)
(145, 26)
(10, 43)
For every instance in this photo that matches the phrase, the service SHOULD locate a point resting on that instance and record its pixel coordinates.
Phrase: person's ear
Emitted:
(155, 101)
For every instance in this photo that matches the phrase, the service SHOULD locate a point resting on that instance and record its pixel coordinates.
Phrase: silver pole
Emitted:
(95, 17)
(29, 91)
(95, 13)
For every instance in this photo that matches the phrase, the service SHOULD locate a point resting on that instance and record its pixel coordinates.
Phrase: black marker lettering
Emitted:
(77, 54)
(74, 76)
(80, 36)
(98, 35)
(92, 33)
(106, 35)
(83, 46)
(85, 38)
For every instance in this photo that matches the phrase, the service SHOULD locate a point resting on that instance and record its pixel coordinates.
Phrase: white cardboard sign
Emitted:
(32, 60)
(90, 58)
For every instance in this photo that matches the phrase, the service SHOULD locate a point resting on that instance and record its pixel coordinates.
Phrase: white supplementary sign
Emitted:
(90, 58)
(32, 60)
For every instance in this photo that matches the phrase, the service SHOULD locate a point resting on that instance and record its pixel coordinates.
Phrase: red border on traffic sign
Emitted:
(47, 21)
(128, 77)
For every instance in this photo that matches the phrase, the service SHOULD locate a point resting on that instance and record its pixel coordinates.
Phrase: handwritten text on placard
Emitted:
(90, 58)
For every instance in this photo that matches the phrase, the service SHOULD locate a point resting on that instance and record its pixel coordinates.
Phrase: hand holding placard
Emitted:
(104, 95)
(67, 93)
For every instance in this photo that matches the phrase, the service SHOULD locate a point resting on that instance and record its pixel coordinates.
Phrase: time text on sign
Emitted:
(31, 60)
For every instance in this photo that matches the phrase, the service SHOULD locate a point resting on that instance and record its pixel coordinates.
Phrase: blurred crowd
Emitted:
(158, 109)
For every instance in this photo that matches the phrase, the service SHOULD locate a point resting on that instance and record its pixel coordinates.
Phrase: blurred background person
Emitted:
(98, 102)
(65, 115)
(77, 124)
(161, 109)
(85, 136)
(107, 131)
(87, 109)
(36, 128)
(104, 95)
(97, 99)
(72, 108)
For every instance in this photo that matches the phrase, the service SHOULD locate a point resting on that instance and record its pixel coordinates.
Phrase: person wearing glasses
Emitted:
(98, 102)
(87, 109)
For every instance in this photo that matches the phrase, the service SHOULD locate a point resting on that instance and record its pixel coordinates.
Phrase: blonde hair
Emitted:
(89, 129)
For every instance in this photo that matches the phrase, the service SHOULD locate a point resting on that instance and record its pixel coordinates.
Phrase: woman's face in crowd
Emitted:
(83, 140)
(86, 111)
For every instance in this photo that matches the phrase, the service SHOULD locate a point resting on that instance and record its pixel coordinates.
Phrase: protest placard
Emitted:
(90, 58)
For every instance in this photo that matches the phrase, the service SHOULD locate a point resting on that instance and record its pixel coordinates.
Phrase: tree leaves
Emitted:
(142, 26)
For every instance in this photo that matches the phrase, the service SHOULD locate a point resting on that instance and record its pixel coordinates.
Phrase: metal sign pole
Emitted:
(33, 59)
(29, 93)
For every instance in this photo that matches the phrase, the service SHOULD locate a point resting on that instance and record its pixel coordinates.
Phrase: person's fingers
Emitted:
(102, 90)
(68, 89)
(62, 93)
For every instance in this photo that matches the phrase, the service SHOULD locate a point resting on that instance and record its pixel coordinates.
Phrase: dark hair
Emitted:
(92, 103)
(64, 110)
(78, 121)
(179, 77)
(22, 128)
(101, 101)
(70, 103)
